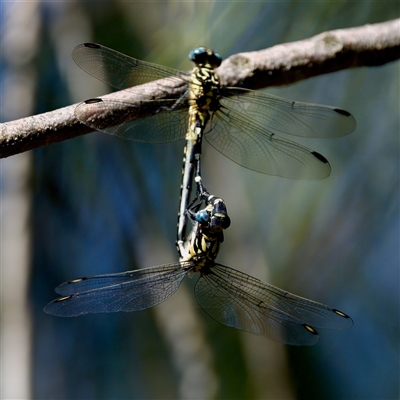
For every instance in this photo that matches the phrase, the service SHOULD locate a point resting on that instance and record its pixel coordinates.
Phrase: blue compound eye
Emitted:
(202, 217)
(197, 53)
(202, 56)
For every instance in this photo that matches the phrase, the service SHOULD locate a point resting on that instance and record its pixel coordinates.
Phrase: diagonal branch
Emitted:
(369, 45)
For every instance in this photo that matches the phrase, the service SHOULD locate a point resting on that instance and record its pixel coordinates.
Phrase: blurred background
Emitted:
(98, 204)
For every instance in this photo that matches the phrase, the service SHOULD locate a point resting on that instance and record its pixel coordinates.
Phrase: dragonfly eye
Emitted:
(202, 56)
(202, 217)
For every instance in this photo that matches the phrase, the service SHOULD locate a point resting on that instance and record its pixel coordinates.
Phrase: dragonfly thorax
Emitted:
(204, 94)
(204, 245)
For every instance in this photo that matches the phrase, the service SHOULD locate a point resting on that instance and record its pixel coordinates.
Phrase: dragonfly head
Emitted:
(215, 217)
(219, 214)
(203, 56)
(219, 222)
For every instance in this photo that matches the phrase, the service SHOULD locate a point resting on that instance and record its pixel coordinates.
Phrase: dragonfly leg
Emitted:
(176, 104)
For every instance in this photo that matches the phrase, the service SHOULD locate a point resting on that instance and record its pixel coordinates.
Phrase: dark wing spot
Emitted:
(92, 101)
(320, 157)
(77, 280)
(92, 45)
(341, 314)
(62, 299)
(310, 329)
(343, 112)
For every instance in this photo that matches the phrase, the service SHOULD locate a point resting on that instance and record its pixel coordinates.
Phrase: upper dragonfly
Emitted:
(242, 124)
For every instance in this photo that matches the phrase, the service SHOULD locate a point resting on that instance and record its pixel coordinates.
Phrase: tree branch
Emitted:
(369, 45)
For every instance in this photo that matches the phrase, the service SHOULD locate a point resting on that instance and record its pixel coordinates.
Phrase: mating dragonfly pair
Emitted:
(243, 125)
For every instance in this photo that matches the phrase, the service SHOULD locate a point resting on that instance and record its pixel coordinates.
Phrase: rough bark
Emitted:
(369, 45)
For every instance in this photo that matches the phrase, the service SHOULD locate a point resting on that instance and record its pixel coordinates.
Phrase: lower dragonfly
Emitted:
(242, 124)
(231, 297)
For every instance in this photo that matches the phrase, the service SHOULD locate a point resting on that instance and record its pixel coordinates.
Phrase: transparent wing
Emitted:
(242, 139)
(119, 70)
(238, 300)
(130, 120)
(278, 115)
(243, 129)
(123, 118)
(127, 291)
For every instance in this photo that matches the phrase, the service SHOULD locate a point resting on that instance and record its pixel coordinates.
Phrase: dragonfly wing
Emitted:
(128, 291)
(238, 300)
(242, 139)
(121, 71)
(125, 119)
(280, 115)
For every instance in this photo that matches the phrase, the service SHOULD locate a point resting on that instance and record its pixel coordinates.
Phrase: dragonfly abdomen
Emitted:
(203, 96)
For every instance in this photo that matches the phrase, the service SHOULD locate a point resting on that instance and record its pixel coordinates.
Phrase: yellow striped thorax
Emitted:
(204, 246)
(204, 89)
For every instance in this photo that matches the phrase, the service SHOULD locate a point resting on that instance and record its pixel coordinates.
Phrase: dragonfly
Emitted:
(231, 297)
(242, 124)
